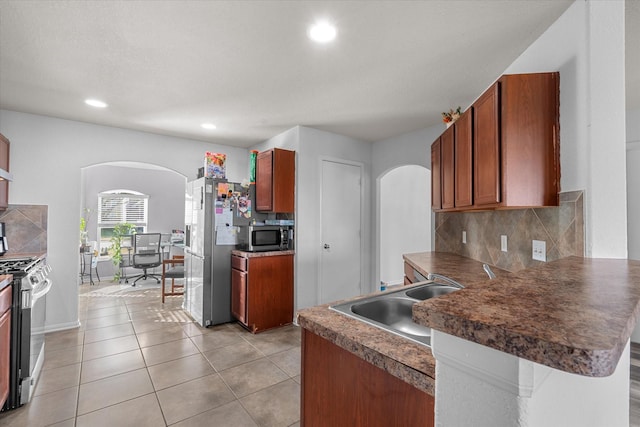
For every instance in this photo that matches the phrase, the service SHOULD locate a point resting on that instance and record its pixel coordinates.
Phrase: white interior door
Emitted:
(341, 223)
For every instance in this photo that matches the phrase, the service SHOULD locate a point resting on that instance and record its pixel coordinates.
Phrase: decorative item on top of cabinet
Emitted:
(262, 290)
(275, 181)
(4, 165)
(515, 145)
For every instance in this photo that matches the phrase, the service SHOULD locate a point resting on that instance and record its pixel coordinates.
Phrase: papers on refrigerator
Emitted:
(227, 235)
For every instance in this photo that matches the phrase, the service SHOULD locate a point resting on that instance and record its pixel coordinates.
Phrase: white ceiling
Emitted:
(247, 66)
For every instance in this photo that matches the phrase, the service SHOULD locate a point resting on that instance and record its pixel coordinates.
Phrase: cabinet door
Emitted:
(269, 292)
(264, 181)
(486, 159)
(436, 187)
(239, 295)
(4, 164)
(339, 388)
(463, 153)
(284, 176)
(275, 181)
(447, 151)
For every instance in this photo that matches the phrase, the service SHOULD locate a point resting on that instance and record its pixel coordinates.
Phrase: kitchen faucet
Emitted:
(487, 270)
(433, 276)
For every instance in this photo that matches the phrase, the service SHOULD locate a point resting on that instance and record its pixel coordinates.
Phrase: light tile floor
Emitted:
(138, 362)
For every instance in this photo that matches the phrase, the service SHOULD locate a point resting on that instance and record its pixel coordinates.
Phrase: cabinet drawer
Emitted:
(238, 262)
(5, 299)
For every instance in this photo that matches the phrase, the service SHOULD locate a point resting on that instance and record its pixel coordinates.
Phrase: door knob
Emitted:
(326, 246)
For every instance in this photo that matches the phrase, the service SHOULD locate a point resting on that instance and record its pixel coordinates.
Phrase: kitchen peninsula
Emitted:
(513, 343)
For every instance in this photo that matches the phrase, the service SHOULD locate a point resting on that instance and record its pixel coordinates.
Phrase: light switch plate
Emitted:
(464, 237)
(503, 243)
(539, 250)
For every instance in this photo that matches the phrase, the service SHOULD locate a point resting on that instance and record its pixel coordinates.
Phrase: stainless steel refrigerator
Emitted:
(214, 209)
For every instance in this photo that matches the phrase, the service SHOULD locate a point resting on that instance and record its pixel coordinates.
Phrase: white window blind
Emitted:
(116, 208)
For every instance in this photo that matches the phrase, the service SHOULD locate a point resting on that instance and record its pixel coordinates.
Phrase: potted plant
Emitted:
(84, 234)
(119, 231)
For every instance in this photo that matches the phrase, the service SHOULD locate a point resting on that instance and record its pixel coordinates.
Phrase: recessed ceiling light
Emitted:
(322, 32)
(95, 103)
(208, 125)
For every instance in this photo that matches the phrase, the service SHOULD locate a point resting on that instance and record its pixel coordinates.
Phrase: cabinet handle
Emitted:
(326, 246)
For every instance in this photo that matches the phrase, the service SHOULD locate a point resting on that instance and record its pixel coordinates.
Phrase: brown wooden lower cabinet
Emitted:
(5, 340)
(341, 389)
(262, 291)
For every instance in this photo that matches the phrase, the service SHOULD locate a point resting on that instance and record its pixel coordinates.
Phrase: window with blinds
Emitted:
(117, 207)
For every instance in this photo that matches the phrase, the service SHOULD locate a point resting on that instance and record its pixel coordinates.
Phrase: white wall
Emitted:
(404, 204)
(633, 186)
(410, 149)
(47, 155)
(586, 44)
(633, 193)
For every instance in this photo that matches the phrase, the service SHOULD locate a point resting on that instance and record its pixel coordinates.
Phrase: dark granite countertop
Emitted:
(17, 255)
(574, 314)
(464, 270)
(246, 254)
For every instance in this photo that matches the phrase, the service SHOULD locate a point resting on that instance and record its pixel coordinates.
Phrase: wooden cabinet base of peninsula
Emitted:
(341, 389)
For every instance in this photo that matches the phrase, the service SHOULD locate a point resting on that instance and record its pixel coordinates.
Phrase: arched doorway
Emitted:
(165, 188)
(405, 218)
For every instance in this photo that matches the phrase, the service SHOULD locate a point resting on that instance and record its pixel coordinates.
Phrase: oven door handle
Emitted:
(42, 292)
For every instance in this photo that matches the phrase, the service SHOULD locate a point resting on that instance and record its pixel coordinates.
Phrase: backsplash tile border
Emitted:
(561, 227)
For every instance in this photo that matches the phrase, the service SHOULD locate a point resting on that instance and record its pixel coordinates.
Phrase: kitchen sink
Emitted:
(393, 310)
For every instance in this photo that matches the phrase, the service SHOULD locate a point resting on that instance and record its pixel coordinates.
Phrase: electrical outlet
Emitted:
(464, 237)
(503, 243)
(539, 250)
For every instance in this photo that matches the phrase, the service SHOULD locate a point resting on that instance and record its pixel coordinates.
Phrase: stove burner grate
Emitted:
(17, 265)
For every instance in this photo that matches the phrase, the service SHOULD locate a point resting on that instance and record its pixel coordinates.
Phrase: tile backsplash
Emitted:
(561, 227)
(26, 228)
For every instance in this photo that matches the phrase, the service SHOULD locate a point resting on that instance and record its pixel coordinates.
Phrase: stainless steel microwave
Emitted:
(261, 238)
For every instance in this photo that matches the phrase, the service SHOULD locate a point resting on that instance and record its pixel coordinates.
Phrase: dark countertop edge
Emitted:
(368, 351)
(16, 255)
(246, 254)
(597, 361)
(5, 280)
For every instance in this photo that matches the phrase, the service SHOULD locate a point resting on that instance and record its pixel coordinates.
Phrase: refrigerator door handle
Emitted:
(193, 253)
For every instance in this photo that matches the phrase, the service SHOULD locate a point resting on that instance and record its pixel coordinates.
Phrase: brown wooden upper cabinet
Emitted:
(452, 167)
(506, 147)
(275, 181)
(4, 164)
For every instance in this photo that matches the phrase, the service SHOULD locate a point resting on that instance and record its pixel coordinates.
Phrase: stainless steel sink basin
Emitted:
(425, 292)
(392, 311)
